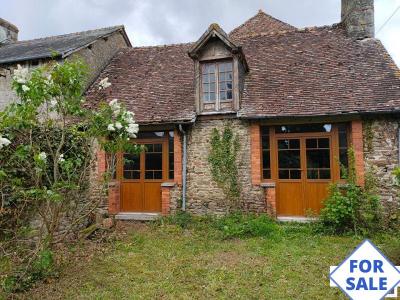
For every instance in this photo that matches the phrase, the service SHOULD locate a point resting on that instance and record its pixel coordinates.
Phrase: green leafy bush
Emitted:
(351, 209)
(181, 219)
(239, 225)
(23, 279)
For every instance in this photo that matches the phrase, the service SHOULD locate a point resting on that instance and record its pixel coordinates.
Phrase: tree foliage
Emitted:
(47, 146)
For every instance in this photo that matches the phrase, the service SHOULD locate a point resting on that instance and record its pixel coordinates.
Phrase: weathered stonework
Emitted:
(381, 153)
(358, 18)
(203, 194)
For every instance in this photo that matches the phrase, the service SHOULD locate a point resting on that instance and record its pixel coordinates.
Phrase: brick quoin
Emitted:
(101, 163)
(255, 149)
(114, 197)
(358, 147)
(270, 199)
(177, 158)
(165, 200)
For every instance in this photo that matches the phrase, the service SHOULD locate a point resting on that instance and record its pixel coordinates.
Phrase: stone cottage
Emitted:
(296, 98)
(95, 47)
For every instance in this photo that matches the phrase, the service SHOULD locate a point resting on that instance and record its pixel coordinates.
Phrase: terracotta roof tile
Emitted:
(157, 83)
(309, 72)
(260, 23)
(318, 71)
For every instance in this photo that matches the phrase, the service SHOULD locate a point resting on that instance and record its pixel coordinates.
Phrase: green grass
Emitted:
(168, 262)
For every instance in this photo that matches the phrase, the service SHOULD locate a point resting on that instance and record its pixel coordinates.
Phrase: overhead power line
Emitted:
(387, 21)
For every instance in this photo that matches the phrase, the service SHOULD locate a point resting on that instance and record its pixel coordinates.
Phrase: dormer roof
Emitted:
(215, 31)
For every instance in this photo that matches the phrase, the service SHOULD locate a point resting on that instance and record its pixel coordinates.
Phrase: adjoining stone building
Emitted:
(296, 98)
(95, 47)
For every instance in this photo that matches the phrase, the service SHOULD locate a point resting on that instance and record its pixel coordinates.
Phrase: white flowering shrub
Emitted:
(46, 154)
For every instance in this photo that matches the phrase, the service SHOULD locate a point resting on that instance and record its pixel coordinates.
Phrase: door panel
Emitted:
(319, 172)
(131, 196)
(142, 176)
(314, 194)
(152, 197)
(290, 195)
(304, 172)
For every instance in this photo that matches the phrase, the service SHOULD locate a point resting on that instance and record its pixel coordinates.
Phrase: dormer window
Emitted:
(217, 82)
(220, 67)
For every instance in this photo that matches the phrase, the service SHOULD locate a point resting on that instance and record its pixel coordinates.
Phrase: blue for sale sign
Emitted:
(366, 274)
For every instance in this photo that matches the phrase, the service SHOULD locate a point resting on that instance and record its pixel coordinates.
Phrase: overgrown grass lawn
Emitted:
(168, 262)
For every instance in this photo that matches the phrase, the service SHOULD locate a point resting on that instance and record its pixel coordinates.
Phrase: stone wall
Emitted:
(381, 154)
(96, 56)
(203, 194)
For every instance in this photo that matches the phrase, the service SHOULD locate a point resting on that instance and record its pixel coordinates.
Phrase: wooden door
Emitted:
(318, 175)
(142, 176)
(290, 177)
(304, 172)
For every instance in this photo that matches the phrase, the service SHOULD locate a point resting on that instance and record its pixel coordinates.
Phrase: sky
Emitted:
(154, 22)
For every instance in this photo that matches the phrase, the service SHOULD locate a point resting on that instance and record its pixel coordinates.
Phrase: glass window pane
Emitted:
(318, 159)
(229, 85)
(289, 159)
(228, 66)
(212, 97)
(283, 174)
(205, 79)
(324, 174)
(150, 134)
(229, 94)
(342, 139)
(323, 143)
(222, 77)
(312, 174)
(222, 96)
(131, 162)
(267, 174)
(212, 87)
(266, 159)
(221, 67)
(212, 77)
(301, 128)
(295, 174)
(157, 175)
(222, 86)
(171, 165)
(294, 144)
(229, 76)
(283, 144)
(265, 142)
(264, 130)
(157, 147)
(311, 143)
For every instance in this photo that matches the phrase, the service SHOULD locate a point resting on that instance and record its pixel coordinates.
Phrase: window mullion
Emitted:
(217, 99)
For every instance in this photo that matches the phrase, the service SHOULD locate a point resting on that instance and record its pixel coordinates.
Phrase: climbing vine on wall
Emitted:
(223, 162)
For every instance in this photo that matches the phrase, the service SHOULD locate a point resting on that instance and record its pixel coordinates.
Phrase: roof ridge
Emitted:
(304, 29)
(159, 46)
(260, 12)
(67, 34)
